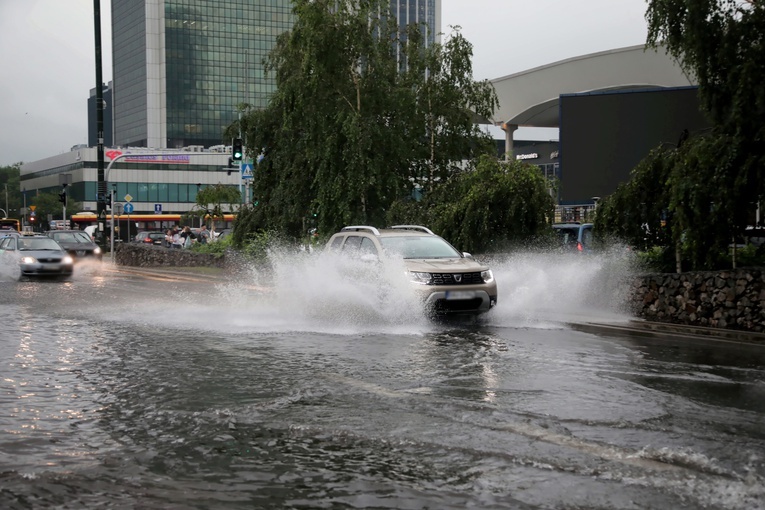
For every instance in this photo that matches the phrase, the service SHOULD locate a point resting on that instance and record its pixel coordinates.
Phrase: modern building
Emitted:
(427, 12)
(181, 67)
(106, 91)
(609, 109)
(162, 183)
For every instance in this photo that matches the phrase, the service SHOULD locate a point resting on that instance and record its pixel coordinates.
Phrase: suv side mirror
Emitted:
(467, 255)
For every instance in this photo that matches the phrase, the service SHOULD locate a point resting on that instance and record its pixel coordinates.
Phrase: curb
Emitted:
(659, 329)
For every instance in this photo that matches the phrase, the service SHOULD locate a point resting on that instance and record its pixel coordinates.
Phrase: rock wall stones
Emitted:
(139, 255)
(731, 299)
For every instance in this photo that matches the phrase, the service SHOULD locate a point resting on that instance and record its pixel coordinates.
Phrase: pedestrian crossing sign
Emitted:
(247, 171)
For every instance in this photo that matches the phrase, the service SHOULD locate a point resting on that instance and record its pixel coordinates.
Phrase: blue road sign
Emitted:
(157, 208)
(247, 171)
(128, 208)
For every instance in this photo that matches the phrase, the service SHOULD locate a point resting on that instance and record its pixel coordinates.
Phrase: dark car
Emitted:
(77, 243)
(34, 255)
(152, 237)
(576, 237)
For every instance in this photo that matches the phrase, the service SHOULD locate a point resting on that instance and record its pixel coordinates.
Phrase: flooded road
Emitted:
(124, 391)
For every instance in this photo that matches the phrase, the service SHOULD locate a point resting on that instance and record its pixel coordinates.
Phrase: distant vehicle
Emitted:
(77, 243)
(35, 255)
(151, 237)
(447, 281)
(9, 224)
(576, 237)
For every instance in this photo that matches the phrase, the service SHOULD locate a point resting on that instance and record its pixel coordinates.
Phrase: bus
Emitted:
(128, 225)
(10, 224)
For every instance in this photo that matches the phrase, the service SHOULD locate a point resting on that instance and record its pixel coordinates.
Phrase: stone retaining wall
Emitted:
(140, 255)
(731, 299)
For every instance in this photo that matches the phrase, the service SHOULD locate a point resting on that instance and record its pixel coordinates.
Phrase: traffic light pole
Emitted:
(101, 185)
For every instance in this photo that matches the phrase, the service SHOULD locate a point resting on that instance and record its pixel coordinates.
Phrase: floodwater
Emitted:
(309, 387)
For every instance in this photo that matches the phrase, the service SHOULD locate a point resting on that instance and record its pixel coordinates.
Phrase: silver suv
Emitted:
(449, 282)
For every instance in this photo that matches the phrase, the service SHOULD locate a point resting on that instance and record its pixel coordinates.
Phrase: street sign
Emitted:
(157, 208)
(247, 171)
(128, 208)
(118, 209)
(128, 197)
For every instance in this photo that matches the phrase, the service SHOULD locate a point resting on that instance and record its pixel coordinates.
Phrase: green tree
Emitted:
(353, 125)
(496, 206)
(693, 200)
(11, 199)
(214, 201)
(48, 204)
(720, 177)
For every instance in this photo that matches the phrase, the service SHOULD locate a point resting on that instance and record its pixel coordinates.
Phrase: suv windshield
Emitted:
(71, 237)
(419, 247)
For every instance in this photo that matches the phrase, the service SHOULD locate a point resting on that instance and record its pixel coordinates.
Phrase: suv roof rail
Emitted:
(361, 227)
(414, 227)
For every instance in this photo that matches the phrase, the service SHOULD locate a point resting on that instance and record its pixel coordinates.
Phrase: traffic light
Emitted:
(62, 197)
(230, 167)
(237, 151)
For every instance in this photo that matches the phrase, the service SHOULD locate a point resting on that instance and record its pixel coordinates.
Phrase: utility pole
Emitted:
(101, 189)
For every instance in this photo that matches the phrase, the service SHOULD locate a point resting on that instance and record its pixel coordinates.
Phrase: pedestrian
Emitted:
(169, 238)
(187, 237)
(204, 235)
(177, 239)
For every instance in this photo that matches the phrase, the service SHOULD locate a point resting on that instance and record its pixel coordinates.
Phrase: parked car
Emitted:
(152, 237)
(34, 255)
(575, 237)
(449, 282)
(77, 243)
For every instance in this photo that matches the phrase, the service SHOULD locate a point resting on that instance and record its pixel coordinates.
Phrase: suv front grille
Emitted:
(452, 278)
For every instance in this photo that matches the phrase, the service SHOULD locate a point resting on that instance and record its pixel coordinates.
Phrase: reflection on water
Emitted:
(316, 385)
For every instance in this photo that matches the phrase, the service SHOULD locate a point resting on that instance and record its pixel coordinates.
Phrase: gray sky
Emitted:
(48, 55)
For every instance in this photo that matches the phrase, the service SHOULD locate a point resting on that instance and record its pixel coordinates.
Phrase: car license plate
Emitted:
(459, 294)
(80, 253)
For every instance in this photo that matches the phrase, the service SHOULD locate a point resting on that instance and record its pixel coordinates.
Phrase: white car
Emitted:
(37, 255)
(448, 282)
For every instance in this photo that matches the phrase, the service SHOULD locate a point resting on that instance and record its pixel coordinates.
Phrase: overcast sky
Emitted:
(48, 55)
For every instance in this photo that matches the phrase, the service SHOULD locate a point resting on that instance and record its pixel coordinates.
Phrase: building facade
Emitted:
(106, 91)
(181, 67)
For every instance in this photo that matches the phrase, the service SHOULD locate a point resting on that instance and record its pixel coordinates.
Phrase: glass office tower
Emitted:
(181, 67)
(418, 11)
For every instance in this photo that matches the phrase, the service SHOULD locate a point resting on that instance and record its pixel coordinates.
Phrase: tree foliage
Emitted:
(215, 201)
(707, 189)
(354, 124)
(10, 188)
(499, 204)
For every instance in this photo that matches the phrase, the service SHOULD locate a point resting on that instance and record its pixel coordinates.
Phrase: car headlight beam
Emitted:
(487, 276)
(67, 260)
(97, 251)
(28, 260)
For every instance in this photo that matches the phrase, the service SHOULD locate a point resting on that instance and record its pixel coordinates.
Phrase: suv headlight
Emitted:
(421, 278)
(487, 276)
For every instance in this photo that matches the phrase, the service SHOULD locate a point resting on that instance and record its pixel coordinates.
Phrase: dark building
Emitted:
(604, 135)
(106, 90)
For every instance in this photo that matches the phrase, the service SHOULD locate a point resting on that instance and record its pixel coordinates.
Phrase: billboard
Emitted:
(604, 135)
